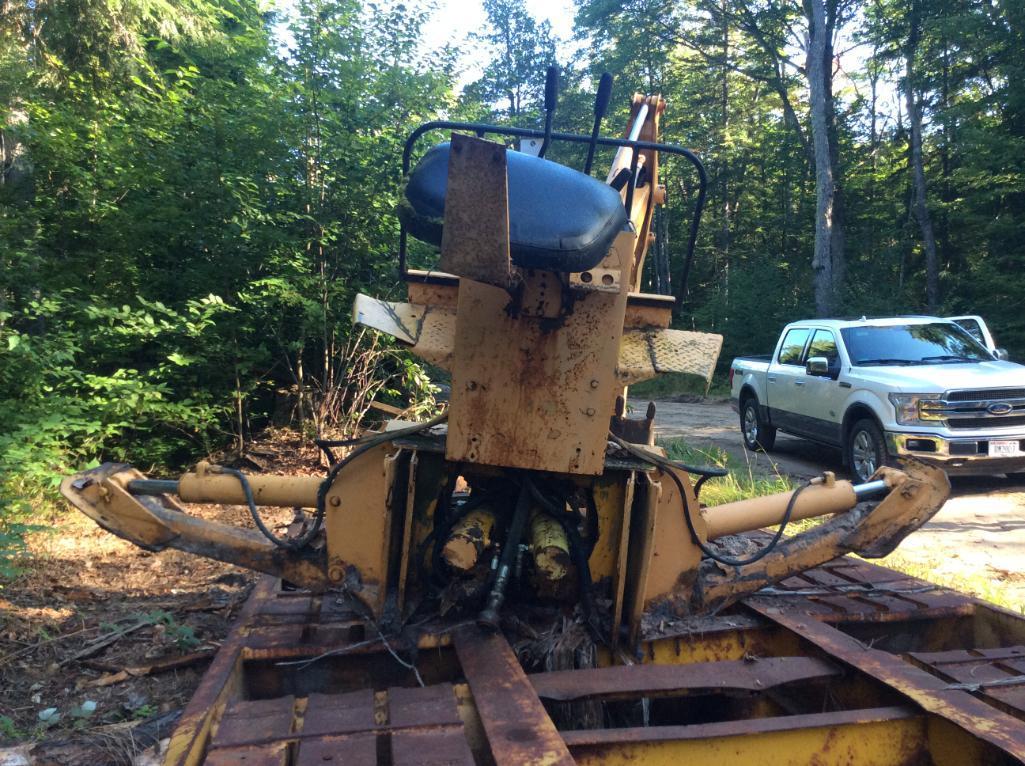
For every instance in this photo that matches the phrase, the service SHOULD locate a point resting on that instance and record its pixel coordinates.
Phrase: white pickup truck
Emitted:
(883, 388)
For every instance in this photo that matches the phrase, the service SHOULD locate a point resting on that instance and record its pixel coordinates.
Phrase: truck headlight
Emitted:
(910, 409)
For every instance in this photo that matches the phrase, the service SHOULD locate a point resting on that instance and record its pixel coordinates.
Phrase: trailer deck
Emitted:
(847, 663)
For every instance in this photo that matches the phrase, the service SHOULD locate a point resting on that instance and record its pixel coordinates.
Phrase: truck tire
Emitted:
(865, 450)
(758, 435)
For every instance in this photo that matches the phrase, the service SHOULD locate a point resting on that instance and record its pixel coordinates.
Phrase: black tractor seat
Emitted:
(559, 218)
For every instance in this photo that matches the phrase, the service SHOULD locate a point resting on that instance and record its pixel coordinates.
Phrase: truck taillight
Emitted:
(731, 376)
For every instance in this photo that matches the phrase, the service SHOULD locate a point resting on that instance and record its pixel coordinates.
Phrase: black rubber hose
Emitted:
(668, 465)
(365, 444)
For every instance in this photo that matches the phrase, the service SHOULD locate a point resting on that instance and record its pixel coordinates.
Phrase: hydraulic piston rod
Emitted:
(208, 485)
(823, 496)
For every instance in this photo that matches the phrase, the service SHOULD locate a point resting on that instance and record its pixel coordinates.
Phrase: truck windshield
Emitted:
(933, 343)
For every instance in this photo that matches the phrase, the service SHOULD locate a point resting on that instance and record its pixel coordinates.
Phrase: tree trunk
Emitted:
(819, 75)
(920, 206)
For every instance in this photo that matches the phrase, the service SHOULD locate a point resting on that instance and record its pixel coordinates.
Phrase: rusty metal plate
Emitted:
(527, 394)
(429, 330)
(248, 722)
(475, 237)
(673, 680)
(285, 609)
(274, 754)
(430, 748)
(339, 713)
(427, 706)
(518, 728)
(644, 354)
(355, 750)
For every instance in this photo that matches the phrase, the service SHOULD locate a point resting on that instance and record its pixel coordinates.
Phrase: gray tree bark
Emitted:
(819, 75)
(920, 204)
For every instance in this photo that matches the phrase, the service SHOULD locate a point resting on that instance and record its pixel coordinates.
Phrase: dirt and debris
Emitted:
(97, 635)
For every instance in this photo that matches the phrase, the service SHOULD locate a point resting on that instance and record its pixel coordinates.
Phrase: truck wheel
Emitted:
(866, 449)
(758, 435)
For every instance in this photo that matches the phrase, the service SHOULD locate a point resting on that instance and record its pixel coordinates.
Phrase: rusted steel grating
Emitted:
(518, 728)
(671, 680)
(848, 590)
(998, 674)
(403, 726)
(927, 691)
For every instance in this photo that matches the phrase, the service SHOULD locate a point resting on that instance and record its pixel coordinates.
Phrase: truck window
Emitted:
(793, 346)
(824, 344)
(972, 327)
(920, 343)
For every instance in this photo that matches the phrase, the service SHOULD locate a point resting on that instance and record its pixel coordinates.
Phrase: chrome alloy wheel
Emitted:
(863, 455)
(751, 425)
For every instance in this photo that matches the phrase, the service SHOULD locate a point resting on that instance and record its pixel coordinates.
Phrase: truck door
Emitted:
(785, 380)
(822, 399)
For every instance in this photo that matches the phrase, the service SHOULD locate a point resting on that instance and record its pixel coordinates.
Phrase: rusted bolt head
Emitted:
(594, 383)
(471, 386)
(335, 501)
(590, 412)
(336, 574)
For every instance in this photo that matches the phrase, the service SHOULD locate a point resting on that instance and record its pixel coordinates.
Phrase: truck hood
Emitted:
(937, 378)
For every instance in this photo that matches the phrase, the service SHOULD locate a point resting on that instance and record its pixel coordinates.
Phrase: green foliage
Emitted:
(741, 483)
(8, 729)
(187, 212)
(182, 636)
(520, 49)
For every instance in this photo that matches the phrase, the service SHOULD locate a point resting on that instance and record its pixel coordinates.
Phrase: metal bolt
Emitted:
(335, 574)
(471, 386)
(594, 384)
(590, 412)
(335, 501)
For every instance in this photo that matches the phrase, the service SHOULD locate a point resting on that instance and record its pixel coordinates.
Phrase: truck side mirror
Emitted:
(817, 365)
(1001, 354)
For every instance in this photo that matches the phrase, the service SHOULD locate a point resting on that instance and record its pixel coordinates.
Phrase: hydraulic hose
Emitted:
(667, 467)
(362, 445)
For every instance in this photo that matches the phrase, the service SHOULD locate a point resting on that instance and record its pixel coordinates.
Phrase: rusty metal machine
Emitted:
(527, 578)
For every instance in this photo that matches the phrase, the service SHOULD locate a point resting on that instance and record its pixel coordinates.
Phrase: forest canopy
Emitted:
(192, 193)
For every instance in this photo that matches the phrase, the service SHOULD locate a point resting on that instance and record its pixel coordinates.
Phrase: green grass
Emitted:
(673, 384)
(741, 483)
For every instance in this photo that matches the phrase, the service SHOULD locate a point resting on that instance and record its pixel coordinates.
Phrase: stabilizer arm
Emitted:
(156, 522)
(870, 530)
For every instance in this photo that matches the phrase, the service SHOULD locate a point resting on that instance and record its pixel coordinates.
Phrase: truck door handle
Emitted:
(798, 382)
(772, 378)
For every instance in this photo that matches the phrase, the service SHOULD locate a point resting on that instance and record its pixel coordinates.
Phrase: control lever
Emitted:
(601, 105)
(551, 98)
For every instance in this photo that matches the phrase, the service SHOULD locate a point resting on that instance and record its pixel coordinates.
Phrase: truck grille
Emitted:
(978, 409)
(989, 421)
(985, 394)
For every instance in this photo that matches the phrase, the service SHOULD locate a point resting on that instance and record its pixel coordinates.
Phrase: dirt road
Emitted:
(976, 541)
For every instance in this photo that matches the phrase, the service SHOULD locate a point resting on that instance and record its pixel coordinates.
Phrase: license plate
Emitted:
(1004, 448)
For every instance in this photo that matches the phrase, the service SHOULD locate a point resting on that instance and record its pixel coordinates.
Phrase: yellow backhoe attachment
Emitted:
(534, 504)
